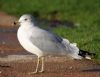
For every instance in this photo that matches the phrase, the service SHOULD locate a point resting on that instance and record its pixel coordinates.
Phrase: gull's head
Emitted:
(25, 19)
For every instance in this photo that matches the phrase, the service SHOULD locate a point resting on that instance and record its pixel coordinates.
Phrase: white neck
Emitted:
(27, 25)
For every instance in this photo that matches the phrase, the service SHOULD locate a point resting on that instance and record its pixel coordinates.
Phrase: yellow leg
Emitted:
(37, 66)
(42, 64)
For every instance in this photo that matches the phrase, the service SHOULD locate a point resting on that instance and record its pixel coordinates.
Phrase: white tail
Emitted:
(72, 49)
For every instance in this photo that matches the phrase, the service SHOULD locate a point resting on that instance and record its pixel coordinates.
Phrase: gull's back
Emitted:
(47, 42)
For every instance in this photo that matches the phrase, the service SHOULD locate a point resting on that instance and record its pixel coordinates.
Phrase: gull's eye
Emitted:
(25, 19)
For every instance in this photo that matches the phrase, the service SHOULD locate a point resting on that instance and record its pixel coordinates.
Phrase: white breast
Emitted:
(23, 38)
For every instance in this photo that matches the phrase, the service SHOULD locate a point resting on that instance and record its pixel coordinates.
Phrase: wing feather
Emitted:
(48, 42)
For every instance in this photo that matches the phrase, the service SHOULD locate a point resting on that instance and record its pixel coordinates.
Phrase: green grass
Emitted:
(84, 12)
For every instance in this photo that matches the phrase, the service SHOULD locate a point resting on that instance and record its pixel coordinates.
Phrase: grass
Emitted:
(84, 12)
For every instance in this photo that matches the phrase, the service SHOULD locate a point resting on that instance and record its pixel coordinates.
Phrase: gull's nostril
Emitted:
(14, 23)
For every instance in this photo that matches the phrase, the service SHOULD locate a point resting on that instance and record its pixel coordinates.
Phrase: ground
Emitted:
(83, 68)
(54, 66)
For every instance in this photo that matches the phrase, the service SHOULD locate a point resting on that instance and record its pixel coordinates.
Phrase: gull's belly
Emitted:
(27, 44)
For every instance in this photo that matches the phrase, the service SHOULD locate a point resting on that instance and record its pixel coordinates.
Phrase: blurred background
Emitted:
(76, 20)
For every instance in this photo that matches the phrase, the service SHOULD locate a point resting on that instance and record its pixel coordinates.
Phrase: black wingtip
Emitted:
(85, 53)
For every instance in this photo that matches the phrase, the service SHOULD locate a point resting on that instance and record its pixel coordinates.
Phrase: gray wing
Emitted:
(48, 42)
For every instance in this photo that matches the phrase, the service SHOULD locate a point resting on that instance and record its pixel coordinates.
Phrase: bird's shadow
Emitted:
(92, 70)
(53, 21)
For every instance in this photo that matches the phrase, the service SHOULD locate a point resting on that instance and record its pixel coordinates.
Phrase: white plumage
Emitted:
(43, 43)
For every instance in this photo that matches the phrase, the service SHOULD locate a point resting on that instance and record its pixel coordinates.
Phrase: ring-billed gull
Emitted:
(43, 43)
